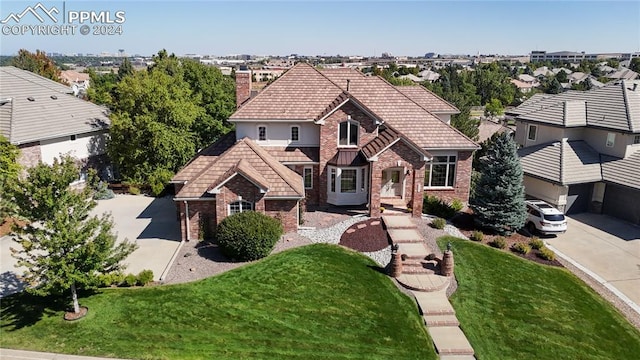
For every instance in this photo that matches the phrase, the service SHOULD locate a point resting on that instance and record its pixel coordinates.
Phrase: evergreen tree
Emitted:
(498, 199)
(62, 247)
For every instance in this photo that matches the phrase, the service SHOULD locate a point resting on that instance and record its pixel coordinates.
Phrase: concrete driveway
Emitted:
(149, 222)
(608, 249)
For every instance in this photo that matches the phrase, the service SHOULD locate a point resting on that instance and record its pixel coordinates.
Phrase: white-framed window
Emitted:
(532, 132)
(636, 139)
(295, 133)
(332, 180)
(262, 132)
(611, 139)
(348, 180)
(239, 206)
(440, 172)
(348, 133)
(363, 178)
(308, 177)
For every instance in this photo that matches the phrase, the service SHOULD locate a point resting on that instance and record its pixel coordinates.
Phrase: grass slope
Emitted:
(315, 302)
(511, 308)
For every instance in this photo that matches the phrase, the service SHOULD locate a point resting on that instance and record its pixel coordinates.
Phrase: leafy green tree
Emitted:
(634, 65)
(9, 174)
(150, 134)
(38, 63)
(102, 87)
(561, 76)
(498, 196)
(494, 108)
(63, 248)
(125, 69)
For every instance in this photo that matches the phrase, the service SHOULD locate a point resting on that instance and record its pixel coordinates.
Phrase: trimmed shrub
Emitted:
(439, 223)
(499, 243)
(144, 277)
(130, 280)
(536, 243)
(435, 206)
(134, 190)
(107, 280)
(477, 236)
(248, 235)
(456, 205)
(546, 254)
(521, 248)
(102, 192)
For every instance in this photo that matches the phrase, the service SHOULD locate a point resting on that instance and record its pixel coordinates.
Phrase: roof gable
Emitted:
(249, 160)
(428, 100)
(562, 162)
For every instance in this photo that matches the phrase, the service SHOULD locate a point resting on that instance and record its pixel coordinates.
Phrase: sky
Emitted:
(364, 28)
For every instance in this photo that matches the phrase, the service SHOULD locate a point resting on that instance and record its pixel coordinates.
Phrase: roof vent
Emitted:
(54, 97)
(348, 81)
(30, 98)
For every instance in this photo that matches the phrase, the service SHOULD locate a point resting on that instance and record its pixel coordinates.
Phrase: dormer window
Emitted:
(295, 133)
(262, 133)
(611, 139)
(348, 133)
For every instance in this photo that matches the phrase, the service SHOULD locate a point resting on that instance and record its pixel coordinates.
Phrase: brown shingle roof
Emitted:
(301, 93)
(387, 137)
(294, 154)
(205, 157)
(260, 166)
(244, 169)
(428, 100)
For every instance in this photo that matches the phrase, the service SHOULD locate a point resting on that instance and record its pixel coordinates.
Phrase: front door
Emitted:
(391, 183)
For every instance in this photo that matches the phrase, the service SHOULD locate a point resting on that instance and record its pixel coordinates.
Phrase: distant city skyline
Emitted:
(353, 28)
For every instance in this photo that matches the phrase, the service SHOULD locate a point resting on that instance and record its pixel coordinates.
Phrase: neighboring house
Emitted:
(542, 72)
(581, 150)
(429, 75)
(45, 120)
(623, 74)
(524, 87)
(411, 77)
(79, 82)
(321, 137)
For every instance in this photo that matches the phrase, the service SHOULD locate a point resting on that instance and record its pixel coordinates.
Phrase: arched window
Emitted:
(348, 133)
(239, 206)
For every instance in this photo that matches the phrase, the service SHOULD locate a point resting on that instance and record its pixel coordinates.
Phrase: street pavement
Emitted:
(7, 354)
(608, 249)
(149, 222)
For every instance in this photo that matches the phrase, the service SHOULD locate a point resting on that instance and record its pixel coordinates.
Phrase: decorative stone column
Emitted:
(446, 266)
(395, 269)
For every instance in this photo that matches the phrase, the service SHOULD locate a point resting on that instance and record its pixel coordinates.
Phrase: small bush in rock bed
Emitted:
(130, 280)
(536, 243)
(248, 235)
(499, 243)
(439, 223)
(546, 254)
(114, 278)
(521, 248)
(435, 206)
(477, 236)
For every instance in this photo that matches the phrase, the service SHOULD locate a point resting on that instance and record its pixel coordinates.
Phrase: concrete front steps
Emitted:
(429, 289)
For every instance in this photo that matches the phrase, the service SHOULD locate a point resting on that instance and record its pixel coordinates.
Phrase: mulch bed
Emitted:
(366, 236)
(7, 224)
(71, 316)
(464, 222)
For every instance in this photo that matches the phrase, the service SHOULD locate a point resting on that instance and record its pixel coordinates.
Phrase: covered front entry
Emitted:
(392, 183)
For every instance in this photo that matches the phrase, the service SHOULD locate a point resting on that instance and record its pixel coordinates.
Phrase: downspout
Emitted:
(186, 219)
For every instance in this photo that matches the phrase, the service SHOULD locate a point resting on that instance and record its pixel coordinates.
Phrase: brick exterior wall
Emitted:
(30, 154)
(243, 86)
(312, 196)
(413, 165)
(462, 182)
(216, 210)
(329, 140)
(284, 210)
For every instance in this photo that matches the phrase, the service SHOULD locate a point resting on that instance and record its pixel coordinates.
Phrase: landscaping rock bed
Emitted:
(366, 236)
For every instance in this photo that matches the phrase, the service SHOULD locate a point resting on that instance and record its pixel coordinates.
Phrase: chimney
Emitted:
(243, 86)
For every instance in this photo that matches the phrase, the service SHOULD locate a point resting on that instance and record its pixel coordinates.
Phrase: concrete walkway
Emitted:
(607, 249)
(421, 277)
(7, 354)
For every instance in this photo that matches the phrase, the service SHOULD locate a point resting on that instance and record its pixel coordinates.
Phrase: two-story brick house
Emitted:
(581, 150)
(331, 136)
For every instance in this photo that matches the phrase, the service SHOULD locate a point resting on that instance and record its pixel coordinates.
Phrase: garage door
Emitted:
(622, 202)
(578, 198)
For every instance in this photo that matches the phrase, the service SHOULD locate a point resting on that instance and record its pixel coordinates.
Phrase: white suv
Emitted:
(544, 218)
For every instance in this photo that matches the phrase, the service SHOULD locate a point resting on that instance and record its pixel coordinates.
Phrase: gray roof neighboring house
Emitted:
(33, 108)
(562, 162)
(614, 106)
(622, 171)
(623, 74)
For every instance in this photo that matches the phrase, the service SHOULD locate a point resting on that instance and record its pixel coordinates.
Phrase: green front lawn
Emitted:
(314, 302)
(511, 308)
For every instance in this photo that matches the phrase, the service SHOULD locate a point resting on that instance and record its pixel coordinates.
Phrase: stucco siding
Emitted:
(82, 147)
(279, 134)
